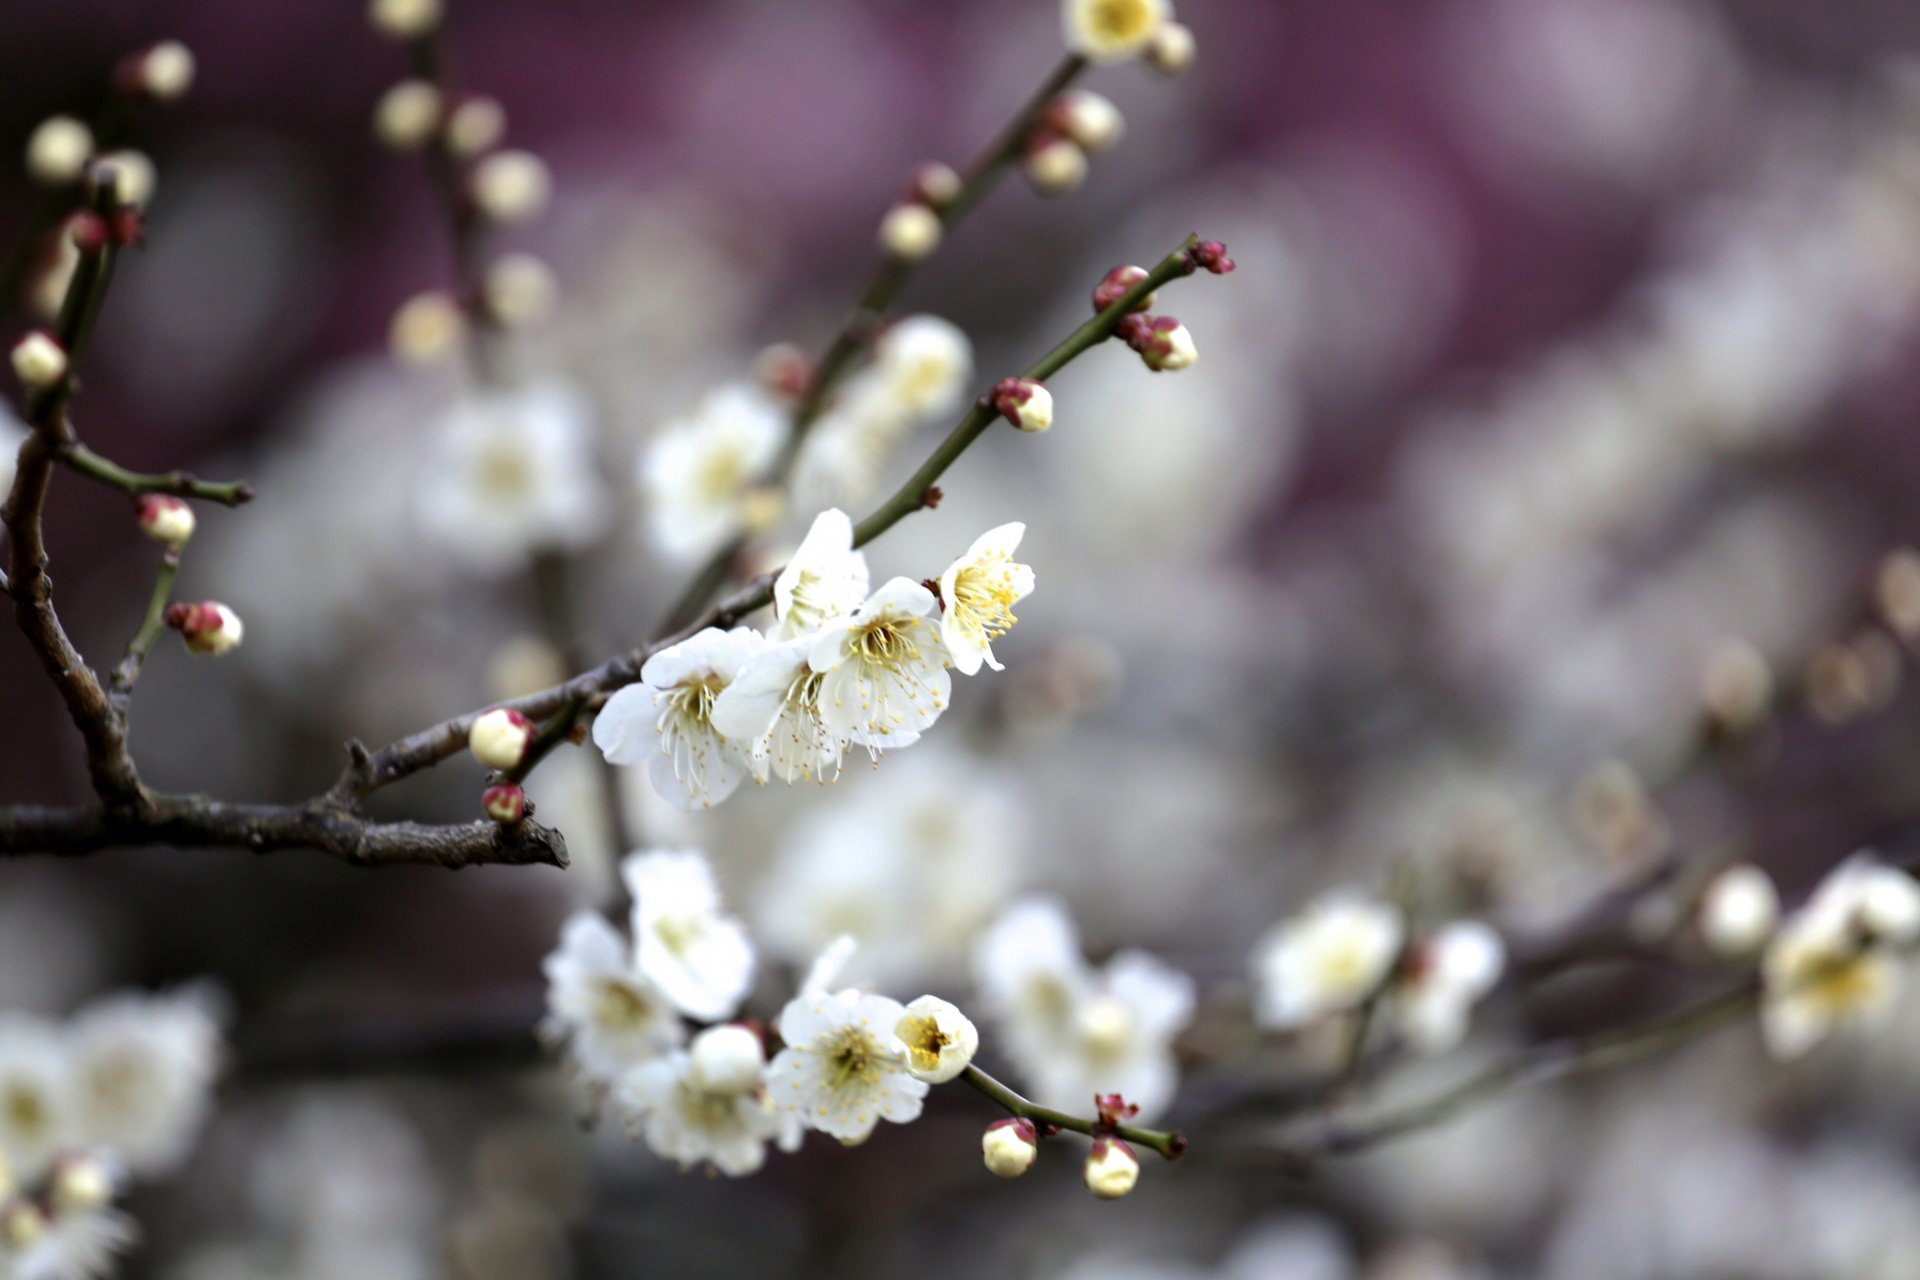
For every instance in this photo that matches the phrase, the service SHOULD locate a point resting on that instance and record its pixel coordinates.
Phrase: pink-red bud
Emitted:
(1025, 403)
(209, 628)
(1212, 255)
(505, 803)
(88, 231)
(1114, 285)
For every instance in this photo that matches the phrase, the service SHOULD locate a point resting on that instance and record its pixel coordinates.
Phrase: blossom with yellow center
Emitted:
(666, 720)
(699, 956)
(1832, 964)
(773, 706)
(1109, 30)
(843, 1070)
(825, 579)
(885, 668)
(682, 1118)
(610, 1016)
(698, 474)
(940, 1040)
(1329, 958)
(33, 1094)
(977, 595)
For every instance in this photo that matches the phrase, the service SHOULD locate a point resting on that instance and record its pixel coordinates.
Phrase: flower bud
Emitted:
(162, 73)
(1010, 1147)
(39, 361)
(1896, 593)
(910, 232)
(1023, 402)
(934, 184)
(1163, 342)
(519, 289)
(1212, 255)
(1738, 910)
(1111, 1169)
(784, 370)
(1171, 50)
(1088, 118)
(510, 186)
(80, 1184)
(1736, 687)
(164, 518)
(1109, 30)
(505, 803)
(403, 19)
(475, 125)
(209, 628)
(499, 738)
(129, 173)
(407, 115)
(1114, 285)
(88, 232)
(426, 329)
(727, 1060)
(57, 151)
(940, 1040)
(1054, 164)
(22, 1224)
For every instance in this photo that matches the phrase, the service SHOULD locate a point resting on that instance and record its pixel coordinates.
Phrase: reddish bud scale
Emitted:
(1114, 285)
(1113, 1109)
(1212, 255)
(127, 227)
(505, 803)
(88, 231)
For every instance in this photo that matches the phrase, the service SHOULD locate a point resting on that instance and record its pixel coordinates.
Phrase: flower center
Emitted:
(505, 472)
(983, 596)
(924, 1040)
(1345, 964)
(678, 933)
(887, 643)
(1840, 984)
(1106, 1026)
(620, 1006)
(720, 474)
(1122, 20)
(852, 1059)
(26, 1111)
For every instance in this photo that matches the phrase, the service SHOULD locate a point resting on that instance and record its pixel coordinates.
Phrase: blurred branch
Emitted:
(179, 484)
(889, 278)
(368, 772)
(202, 822)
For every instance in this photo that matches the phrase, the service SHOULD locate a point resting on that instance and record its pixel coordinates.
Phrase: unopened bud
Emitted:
(162, 73)
(1114, 285)
(164, 518)
(475, 125)
(1112, 1168)
(784, 370)
(1088, 118)
(510, 186)
(1023, 402)
(1896, 593)
(129, 173)
(403, 19)
(88, 232)
(1848, 678)
(500, 737)
(80, 1184)
(909, 232)
(22, 1224)
(727, 1060)
(1054, 164)
(1212, 255)
(1736, 687)
(407, 115)
(520, 290)
(39, 361)
(1738, 910)
(57, 151)
(1010, 1147)
(505, 803)
(1163, 342)
(209, 628)
(934, 184)
(1171, 50)
(426, 329)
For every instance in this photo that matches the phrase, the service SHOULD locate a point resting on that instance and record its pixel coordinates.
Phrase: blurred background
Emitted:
(1572, 342)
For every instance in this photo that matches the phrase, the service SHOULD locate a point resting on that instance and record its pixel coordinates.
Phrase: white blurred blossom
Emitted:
(697, 471)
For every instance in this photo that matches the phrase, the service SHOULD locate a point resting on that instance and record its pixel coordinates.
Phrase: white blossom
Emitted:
(922, 364)
(142, 1070)
(611, 1015)
(1831, 963)
(1327, 959)
(773, 708)
(700, 957)
(977, 595)
(825, 579)
(885, 668)
(1031, 975)
(1109, 30)
(513, 474)
(36, 1109)
(939, 1039)
(697, 472)
(728, 1059)
(75, 1244)
(666, 720)
(1445, 975)
(1738, 910)
(843, 1070)
(690, 1123)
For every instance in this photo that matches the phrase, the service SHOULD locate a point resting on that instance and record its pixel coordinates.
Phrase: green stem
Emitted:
(180, 484)
(1171, 1144)
(151, 625)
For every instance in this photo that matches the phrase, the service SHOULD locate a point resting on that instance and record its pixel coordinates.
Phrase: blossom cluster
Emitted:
(842, 666)
(119, 1090)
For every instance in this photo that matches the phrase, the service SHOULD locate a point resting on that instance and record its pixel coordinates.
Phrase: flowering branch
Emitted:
(1171, 1144)
(151, 625)
(889, 278)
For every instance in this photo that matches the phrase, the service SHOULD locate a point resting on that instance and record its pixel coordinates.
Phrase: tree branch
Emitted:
(1171, 1144)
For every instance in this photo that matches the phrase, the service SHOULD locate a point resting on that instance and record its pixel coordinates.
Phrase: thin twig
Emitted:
(180, 484)
(151, 625)
(1169, 1143)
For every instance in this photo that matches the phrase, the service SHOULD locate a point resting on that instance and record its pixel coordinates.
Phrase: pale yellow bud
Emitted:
(403, 19)
(1171, 50)
(475, 125)
(38, 361)
(407, 115)
(1056, 166)
(427, 329)
(520, 289)
(57, 151)
(910, 232)
(1112, 1169)
(510, 186)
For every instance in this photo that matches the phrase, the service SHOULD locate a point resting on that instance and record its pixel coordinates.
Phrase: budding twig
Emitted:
(1171, 1144)
(151, 625)
(179, 484)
